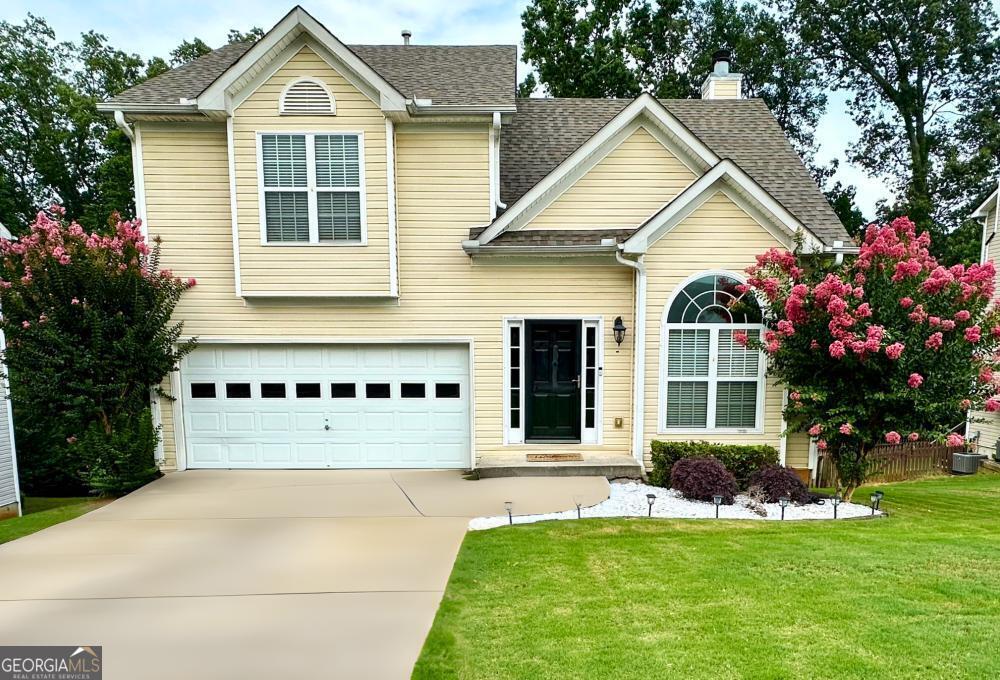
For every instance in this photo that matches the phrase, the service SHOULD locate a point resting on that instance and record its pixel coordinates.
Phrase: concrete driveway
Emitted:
(259, 574)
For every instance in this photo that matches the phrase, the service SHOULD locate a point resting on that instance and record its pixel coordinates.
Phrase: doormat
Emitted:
(554, 457)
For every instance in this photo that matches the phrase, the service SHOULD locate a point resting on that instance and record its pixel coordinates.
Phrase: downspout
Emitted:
(496, 159)
(124, 127)
(639, 358)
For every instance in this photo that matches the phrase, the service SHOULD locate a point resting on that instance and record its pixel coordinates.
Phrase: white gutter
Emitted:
(639, 357)
(496, 160)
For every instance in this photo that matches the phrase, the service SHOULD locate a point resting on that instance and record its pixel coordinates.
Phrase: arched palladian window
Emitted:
(708, 380)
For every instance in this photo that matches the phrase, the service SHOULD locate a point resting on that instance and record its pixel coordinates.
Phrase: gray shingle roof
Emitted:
(445, 74)
(545, 131)
(553, 237)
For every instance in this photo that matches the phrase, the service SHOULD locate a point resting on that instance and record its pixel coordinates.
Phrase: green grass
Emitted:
(914, 595)
(40, 513)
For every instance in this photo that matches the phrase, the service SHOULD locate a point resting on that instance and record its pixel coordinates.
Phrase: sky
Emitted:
(154, 27)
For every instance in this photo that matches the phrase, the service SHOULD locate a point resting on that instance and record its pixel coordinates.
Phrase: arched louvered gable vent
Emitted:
(307, 96)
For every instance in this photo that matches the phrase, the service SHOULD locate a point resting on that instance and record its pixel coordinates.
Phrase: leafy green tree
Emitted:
(87, 321)
(924, 80)
(189, 50)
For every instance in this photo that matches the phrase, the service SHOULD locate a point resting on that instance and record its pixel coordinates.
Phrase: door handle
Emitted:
(576, 381)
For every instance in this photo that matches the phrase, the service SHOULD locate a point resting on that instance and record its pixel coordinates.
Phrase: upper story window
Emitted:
(307, 96)
(312, 188)
(710, 381)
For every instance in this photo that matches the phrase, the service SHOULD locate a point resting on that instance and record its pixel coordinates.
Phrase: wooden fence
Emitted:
(897, 463)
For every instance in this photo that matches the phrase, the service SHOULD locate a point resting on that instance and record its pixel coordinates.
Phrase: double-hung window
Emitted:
(710, 381)
(312, 188)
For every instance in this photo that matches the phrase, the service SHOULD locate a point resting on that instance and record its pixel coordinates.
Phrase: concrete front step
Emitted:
(614, 468)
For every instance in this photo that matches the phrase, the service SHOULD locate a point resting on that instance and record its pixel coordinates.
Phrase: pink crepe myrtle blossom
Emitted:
(795, 396)
(837, 349)
(846, 428)
(965, 404)
(934, 320)
(836, 305)
(75, 301)
(863, 311)
(935, 341)
(895, 350)
(954, 439)
(913, 436)
(962, 315)
(993, 404)
(906, 302)
(71, 440)
(741, 338)
(815, 430)
(986, 375)
(858, 292)
(786, 328)
(915, 380)
(192, 282)
(918, 315)
(973, 334)
(821, 445)
(995, 331)
(813, 344)
(893, 437)
(948, 325)
(25, 324)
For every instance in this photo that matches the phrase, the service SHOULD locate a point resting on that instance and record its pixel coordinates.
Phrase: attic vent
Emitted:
(307, 96)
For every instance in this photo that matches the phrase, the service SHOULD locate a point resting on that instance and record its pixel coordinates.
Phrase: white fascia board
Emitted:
(599, 145)
(985, 205)
(295, 22)
(726, 174)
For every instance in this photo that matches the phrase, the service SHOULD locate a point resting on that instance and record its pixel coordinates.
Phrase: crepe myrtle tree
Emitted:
(87, 322)
(885, 347)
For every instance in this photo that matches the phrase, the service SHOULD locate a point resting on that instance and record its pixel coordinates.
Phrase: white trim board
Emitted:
(651, 112)
(727, 177)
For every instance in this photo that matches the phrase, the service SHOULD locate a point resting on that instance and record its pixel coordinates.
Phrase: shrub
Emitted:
(741, 460)
(775, 481)
(701, 478)
(88, 324)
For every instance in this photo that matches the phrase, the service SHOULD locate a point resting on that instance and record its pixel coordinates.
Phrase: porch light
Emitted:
(783, 502)
(650, 497)
(717, 499)
(836, 501)
(509, 507)
(619, 329)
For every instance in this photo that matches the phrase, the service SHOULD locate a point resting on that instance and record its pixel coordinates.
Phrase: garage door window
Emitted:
(413, 391)
(237, 390)
(447, 391)
(307, 390)
(343, 391)
(377, 390)
(272, 390)
(203, 390)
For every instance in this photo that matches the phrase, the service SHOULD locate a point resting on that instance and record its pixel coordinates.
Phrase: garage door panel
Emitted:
(421, 430)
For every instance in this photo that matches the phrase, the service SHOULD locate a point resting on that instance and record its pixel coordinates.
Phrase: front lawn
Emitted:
(40, 513)
(913, 595)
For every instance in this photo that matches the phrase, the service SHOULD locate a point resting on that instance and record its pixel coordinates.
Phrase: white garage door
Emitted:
(327, 406)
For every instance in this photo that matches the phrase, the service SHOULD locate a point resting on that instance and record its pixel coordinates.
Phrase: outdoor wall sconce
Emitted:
(509, 507)
(650, 497)
(783, 502)
(836, 501)
(619, 329)
(717, 499)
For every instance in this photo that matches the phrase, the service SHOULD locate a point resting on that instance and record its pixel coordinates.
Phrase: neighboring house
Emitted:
(10, 490)
(983, 427)
(400, 264)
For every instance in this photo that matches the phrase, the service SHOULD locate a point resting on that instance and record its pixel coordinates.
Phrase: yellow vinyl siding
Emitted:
(311, 268)
(622, 190)
(718, 235)
(728, 88)
(442, 189)
(993, 248)
(989, 429)
(797, 450)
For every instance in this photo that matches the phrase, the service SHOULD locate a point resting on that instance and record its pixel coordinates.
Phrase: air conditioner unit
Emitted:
(966, 463)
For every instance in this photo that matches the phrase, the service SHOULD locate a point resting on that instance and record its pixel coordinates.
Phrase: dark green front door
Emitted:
(553, 380)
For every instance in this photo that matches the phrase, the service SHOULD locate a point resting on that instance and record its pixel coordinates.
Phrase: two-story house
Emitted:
(983, 427)
(401, 264)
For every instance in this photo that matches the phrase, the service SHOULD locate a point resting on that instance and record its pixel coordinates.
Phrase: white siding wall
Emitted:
(8, 477)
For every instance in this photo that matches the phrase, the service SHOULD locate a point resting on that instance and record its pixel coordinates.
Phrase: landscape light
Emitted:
(650, 498)
(717, 499)
(874, 500)
(509, 507)
(578, 513)
(879, 495)
(783, 502)
(836, 501)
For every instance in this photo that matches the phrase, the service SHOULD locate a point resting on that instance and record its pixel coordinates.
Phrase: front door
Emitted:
(553, 380)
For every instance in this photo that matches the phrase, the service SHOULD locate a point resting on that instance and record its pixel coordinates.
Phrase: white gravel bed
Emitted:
(628, 499)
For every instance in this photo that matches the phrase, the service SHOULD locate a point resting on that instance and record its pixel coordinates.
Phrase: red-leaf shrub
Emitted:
(885, 345)
(775, 481)
(701, 478)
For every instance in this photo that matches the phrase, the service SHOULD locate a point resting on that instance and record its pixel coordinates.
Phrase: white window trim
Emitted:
(316, 81)
(312, 189)
(591, 436)
(713, 361)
